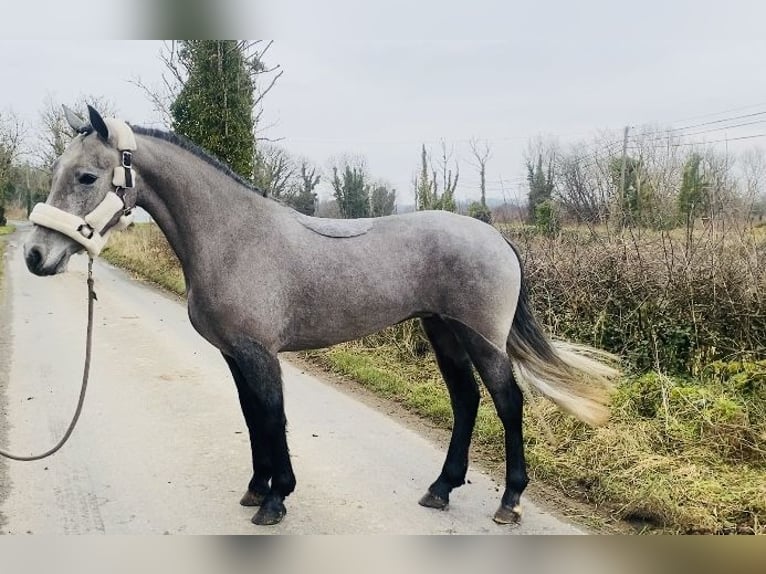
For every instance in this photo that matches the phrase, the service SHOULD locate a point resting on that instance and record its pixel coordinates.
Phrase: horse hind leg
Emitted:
(457, 371)
(496, 372)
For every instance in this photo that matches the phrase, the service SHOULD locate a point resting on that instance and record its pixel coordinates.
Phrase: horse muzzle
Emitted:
(46, 253)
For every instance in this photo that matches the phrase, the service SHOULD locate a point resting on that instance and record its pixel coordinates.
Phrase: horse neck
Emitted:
(189, 199)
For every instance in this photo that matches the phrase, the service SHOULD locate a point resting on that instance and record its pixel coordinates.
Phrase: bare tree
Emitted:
(481, 154)
(302, 195)
(274, 169)
(309, 178)
(575, 188)
(717, 168)
(11, 137)
(55, 132)
(264, 78)
(449, 182)
(663, 158)
(582, 179)
(12, 133)
(752, 177)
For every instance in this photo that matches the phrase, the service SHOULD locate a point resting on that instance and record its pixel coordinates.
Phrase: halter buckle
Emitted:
(85, 227)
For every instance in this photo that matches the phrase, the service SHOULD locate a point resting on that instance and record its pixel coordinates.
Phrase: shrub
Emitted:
(479, 211)
(662, 300)
(408, 338)
(546, 219)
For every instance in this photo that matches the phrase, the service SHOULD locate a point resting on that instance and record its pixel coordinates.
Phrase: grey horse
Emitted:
(262, 278)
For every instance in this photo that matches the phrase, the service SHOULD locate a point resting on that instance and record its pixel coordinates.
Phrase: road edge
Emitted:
(6, 347)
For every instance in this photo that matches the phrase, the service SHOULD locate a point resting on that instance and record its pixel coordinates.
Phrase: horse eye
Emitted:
(87, 179)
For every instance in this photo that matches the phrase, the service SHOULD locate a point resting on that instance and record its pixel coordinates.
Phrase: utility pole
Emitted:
(621, 208)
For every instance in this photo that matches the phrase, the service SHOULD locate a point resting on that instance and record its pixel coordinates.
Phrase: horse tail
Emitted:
(575, 377)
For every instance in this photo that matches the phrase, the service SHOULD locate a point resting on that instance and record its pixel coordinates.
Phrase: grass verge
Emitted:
(4, 230)
(143, 251)
(680, 454)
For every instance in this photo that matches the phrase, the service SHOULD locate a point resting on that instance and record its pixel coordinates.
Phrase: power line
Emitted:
(721, 140)
(704, 143)
(722, 120)
(703, 124)
(708, 115)
(717, 129)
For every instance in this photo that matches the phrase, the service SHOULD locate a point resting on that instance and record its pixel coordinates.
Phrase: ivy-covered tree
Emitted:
(214, 108)
(304, 198)
(636, 199)
(692, 197)
(541, 185)
(382, 201)
(424, 187)
(6, 192)
(427, 194)
(351, 190)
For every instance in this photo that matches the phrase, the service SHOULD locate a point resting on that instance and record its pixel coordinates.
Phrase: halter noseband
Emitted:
(113, 213)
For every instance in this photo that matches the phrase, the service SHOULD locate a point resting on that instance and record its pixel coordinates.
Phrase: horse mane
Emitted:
(188, 145)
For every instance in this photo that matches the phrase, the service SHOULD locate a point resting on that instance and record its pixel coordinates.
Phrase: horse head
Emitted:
(82, 206)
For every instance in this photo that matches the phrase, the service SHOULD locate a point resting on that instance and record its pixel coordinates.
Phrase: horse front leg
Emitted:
(259, 484)
(260, 391)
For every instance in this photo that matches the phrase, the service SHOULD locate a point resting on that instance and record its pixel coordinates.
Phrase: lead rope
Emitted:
(85, 372)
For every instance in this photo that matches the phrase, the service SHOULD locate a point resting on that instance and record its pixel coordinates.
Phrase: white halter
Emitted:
(92, 231)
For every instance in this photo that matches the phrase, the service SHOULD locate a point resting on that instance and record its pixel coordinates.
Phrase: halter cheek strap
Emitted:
(113, 213)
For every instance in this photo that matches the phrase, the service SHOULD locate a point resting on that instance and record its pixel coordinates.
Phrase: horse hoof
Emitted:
(430, 500)
(252, 499)
(270, 513)
(508, 515)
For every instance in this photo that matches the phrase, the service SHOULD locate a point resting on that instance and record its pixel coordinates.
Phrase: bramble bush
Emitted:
(663, 300)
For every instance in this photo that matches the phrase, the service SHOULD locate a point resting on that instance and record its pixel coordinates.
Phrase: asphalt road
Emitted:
(162, 447)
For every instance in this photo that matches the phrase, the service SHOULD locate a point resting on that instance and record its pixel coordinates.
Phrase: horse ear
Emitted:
(78, 124)
(98, 123)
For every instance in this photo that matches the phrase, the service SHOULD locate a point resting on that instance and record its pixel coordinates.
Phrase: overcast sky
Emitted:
(380, 78)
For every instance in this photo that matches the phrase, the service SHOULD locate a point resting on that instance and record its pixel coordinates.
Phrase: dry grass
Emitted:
(15, 212)
(4, 230)
(142, 249)
(2, 258)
